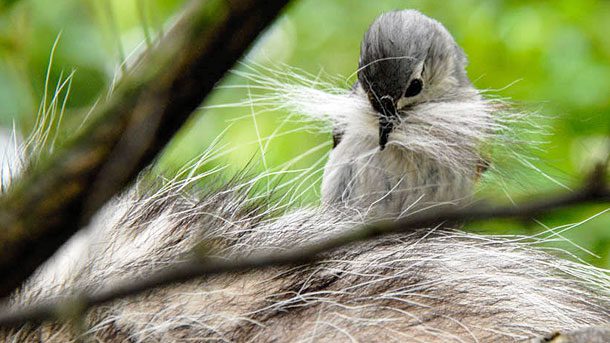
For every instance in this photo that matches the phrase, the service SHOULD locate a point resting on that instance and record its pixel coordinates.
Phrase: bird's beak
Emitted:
(386, 120)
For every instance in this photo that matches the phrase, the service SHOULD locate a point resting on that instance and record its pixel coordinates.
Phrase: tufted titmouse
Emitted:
(417, 145)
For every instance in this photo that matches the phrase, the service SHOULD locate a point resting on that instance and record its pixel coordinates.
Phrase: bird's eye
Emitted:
(414, 88)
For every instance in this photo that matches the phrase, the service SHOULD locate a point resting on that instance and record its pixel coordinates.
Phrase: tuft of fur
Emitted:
(434, 154)
(11, 160)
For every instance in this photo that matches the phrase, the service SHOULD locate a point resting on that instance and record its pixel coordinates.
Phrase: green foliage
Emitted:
(549, 57)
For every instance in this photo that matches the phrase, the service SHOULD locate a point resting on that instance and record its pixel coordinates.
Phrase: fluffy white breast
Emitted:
(392, 182)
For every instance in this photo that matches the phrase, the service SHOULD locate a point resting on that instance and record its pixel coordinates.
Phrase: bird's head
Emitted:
(406, 59)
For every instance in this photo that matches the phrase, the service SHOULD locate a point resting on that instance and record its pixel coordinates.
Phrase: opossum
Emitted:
(435, 284)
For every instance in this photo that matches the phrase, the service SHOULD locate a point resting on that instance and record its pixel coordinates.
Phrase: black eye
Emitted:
(414, 88)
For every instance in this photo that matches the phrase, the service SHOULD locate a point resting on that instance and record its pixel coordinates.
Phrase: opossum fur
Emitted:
(433, 284)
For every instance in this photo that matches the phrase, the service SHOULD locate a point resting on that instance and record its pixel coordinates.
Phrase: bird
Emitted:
(417, 143)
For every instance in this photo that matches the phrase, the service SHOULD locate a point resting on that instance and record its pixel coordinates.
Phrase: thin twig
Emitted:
(594, 191)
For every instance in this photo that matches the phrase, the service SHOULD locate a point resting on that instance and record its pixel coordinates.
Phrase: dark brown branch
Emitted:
(594, 191)
(150, 104)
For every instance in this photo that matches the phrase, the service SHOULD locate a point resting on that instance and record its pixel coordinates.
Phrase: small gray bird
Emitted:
(418, 143)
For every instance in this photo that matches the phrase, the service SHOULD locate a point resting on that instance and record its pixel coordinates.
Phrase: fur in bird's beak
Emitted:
(387, 116)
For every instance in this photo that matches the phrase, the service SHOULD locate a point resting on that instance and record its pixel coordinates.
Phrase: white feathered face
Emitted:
(406, 59)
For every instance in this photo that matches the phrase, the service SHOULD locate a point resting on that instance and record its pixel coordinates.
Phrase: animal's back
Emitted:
(429, 285)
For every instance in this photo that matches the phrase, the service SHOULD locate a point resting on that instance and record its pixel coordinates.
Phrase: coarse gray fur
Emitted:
(434, 284)
(430, 285)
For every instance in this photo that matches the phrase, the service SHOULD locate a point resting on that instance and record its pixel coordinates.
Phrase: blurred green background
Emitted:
(549, 57)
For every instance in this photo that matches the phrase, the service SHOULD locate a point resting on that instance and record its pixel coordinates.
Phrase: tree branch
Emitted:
(150, 104)
(594, 191)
